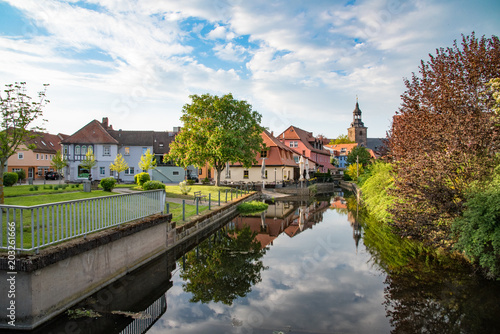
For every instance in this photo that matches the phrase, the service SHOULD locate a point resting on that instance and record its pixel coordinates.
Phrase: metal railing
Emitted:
(34, 227)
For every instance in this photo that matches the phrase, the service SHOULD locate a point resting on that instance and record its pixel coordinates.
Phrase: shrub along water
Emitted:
(252, 207)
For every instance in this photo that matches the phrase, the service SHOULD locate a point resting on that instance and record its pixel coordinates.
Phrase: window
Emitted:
(41, 156)
(245, 174)
(294, 144)
(129, 171)
(263, 154)
(37, 157)
(106, 150)
(175, 172)
(83, 173)
(126, 151)
(20, 155)
(102, 171)
(144, 149)
(46, 158)
(266, 174)
(200, 171)
(90, 149)
(84, 150)
(77, 150)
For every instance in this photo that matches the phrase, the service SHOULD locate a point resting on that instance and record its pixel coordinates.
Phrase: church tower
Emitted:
(357, 131)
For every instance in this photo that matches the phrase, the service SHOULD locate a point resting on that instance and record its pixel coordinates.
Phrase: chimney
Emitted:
(105, 123)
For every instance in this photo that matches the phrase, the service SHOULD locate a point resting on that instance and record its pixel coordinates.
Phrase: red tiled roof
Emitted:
(46, 142)
(305, 137)
(92, 133)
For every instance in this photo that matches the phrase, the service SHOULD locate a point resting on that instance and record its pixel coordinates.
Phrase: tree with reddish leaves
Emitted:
(444, 137)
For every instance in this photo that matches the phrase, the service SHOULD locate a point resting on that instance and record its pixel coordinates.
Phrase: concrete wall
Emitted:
(49, 283)
(255, 174)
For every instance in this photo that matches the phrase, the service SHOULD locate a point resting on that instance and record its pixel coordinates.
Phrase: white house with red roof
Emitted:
(306, 145)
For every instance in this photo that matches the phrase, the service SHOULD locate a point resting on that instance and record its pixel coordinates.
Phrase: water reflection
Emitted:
(307, 267)
(224, 267)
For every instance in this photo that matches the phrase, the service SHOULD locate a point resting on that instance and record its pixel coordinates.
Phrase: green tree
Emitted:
(89, 162)
(341, 139)
(18, 113)
(217, 130)
(148, 161)
(58, 162)
(360, 155)
(354, 172)
(119, 165)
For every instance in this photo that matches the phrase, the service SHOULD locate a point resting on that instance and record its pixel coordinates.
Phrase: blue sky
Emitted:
(298, 63)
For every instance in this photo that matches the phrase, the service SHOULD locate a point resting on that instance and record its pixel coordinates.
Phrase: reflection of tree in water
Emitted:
(223, 267)
(442, 301)
(428, 292)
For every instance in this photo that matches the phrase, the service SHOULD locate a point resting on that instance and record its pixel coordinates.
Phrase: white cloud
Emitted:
(303, 58)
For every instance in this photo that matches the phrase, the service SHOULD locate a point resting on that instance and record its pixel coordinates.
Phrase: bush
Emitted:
(252, 207)
(376, 188)
(9, 179)
(205, 181)
(141, 178)
(152, 185)
(108, 183)
(184, 188)
(478, 230)
(21, 174)
(190, 182)
(313, 190)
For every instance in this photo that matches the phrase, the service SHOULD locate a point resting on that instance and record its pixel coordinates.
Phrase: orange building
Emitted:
(36, 162)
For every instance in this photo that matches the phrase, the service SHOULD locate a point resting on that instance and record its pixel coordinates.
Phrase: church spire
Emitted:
(357, 131)
(356, 116)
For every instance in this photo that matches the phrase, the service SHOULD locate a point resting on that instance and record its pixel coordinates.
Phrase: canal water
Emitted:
(297, 268)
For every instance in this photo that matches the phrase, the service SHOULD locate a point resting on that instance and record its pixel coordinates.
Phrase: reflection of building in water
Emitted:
(269, 224)
(339, 204)
(352, 217)
(288, 217)
(147, 318)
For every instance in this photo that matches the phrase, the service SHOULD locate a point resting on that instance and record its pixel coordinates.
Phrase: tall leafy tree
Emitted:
(444, 137)
(58, 162)
(217, 130)
(19, 111)
(119, 165)
(360, 155)
(148, 161)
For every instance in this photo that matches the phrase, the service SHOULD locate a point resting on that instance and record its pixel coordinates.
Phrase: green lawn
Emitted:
(56, 196)
(176, 210)
(39, 189)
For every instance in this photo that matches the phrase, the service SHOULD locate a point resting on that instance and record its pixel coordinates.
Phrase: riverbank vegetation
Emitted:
(252, 207)
(439, 184)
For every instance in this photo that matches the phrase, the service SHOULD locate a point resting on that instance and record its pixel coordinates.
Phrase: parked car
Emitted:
(52, 176)
(192, 177)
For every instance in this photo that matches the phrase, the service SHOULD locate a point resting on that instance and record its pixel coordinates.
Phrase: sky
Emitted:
(301, 63)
